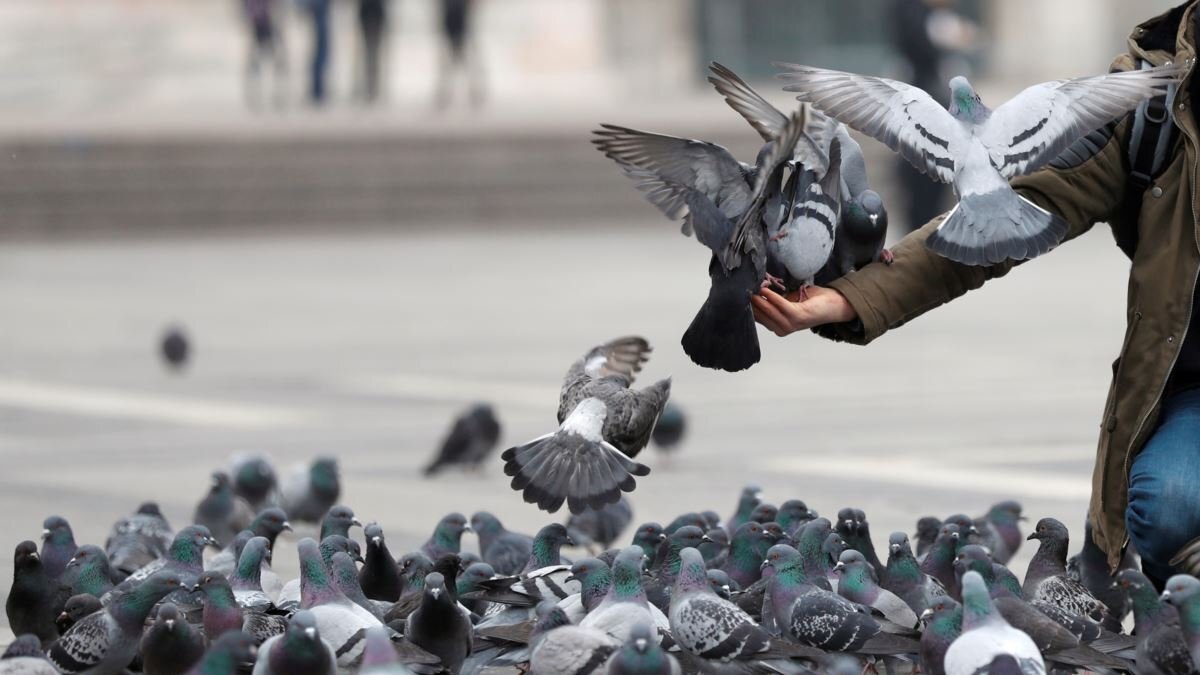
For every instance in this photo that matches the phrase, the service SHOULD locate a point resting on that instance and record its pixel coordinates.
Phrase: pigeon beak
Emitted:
(839, 566)
(640, 644)
(35, 555)
(195, 587)
(874, 218)
(926, 615)
(63, 617)
(765, 564)
(310, 633)
(662, 537)
(435, 592)
(358, 558)
(286, 526)
(1166, 596)
(467, 528)
(355, 522)
(570, 541)
(1032, 536)
(1115, 585)
(211, 542)
(895, 548)
(973, 530)
(45, 534)
(170, 624)
(376, 540)
(706, 538)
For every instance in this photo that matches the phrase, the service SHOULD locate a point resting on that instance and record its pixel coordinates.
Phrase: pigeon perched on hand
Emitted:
(977, 149)
(472, 439)
(588, 461)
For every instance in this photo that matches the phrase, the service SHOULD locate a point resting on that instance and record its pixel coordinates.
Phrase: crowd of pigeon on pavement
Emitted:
(771, 588)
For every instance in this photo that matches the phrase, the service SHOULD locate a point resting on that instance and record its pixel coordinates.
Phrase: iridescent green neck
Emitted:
(545, 552)
(744, 553)
(446, 539)
(249, 569)
(903, 568)
(1148, 610)
(595, 586)
(92, 579)
(627, 581)
(947, 624)
(855, 580)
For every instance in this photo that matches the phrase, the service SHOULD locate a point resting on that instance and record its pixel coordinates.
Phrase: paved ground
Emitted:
(364, 345)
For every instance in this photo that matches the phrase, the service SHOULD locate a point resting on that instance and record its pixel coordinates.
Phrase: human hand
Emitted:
(786, 314)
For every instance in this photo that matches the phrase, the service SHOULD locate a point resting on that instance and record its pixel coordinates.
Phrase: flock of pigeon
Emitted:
(805, 213)
(770, 589)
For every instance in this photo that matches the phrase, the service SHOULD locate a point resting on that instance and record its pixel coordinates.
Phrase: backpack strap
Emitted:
(1151, 140)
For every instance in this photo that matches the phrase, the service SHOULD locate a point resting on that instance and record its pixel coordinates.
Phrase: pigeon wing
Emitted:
(1038, 124)
(900, 116)
(618, 360)
(85, 644)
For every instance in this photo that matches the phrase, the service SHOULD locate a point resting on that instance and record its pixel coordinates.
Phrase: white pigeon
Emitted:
(977, 149)
(987, 641)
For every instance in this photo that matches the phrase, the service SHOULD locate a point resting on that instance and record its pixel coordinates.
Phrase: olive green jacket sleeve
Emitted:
(885, 297)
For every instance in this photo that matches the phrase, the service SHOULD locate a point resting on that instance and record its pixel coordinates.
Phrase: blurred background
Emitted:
(366, 215)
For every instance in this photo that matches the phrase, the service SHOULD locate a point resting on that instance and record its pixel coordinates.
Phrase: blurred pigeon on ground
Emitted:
(447, 536)
(670, 428)
(30, 605)
(1001, 530)
(221, 511)
(472, 438)
(338, 520)
(988, 643)
(108, 640)
(171, 646)
(299, 649)
(1046, 579)
(232, 653)
(24, 657)
(58, 546)
(764, 513)
(750, 498)
(175, 348)
(641, 654)
(558, 647)
(137, 540)
(588, 461)
(600, 527)
(309, 493)
(1161, 647)
(507, 552)
(254, 480)
(77, 607)
(928, 529)
(439, 626)
(979, 150)
(943, 624)
(793, 514)
(380, 575)
(1090, 568)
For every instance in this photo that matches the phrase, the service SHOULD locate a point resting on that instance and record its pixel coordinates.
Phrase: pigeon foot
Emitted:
(886, 257)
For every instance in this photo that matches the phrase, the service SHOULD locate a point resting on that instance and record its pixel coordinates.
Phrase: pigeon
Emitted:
(764, 513)
(724, 200)
(793, 514)
(858, 584)
(1161, 647)
(269, 523)
(978, 150)
(76, 607)
(58, 546)
(380, 575)
(185, 558)
(174, 348)
(588, 461)
(29, 605)
(812, 543)
(413, 568)
(338, 520)
(852, 525)
(684, 519)
(641, 654)
(722, 585)
(1183, 593)
(137, 540)
(507, 552)
(625, 604)
(288, 597)
(447, 536)
(1046, 578)
(746, 551)
(801, 238)
(670, 429)
(988, 643)
(469, 582)
(1090, 568)
(221, 511)
(380, 656)
(595, 579)
(345, 577)
(601, 526)
(1001, 529)
(309, 493)
(546, 546)
(667, 563)
(904, 577)
(223, 614)
(24, 657)
(87, 572)
(246, 581)
(448, 566)
(859, 237)
(255, 481)
(108, 640)
(472, 438)
(649, 536)
(716, 549)
(928, 529)
(749, 499)
(939, 559)
(170, 646)
(300, 649)
(704, 624)
(558, 647)
(439, 627)
(233, 652)
(943, 624)
(340, 621)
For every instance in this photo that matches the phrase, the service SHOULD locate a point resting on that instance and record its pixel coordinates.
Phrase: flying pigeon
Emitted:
(988, 643)
(588, 461)
(507, 552)
(977, 149)
(471, 440)
(175, 348)
(137, 540)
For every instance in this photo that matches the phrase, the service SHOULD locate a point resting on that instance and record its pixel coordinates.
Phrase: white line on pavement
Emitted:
(454, 388)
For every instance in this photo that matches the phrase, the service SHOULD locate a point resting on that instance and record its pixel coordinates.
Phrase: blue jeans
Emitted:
(1164, 486)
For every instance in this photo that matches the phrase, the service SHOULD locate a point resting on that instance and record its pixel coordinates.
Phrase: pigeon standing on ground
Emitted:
(58, 546)
(1090, 568)
(24, 657)
(233, 652)
(310, 492)
(77, 607)
(649, 536)
(170, 646)
(625, 605)
(246, 580)
(137, 540)
(857, 584)
(221, 511)
(1046, 579)
(108, 640)
(175, 348)
(943, 624)
(670, 429)
(1161, 647)
(300, 649)
(600, 527)
(978, 150)
(507, 552)
(30, 605)
(447, 536)
(642, 655)
(793, 514)
(380, 575)
(988, 643)
(704, 624)
(558, 647)
(472, 438)
(1002, 530)
(588, 461)
(439, 626)
(1183, 593)
(905, 578)
(254, 480)
(340, 621)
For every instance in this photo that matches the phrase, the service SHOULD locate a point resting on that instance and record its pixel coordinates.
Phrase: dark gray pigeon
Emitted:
(341, 622)
(221, 511)
(338, 520)
(137, 540)
(77, 607)
(309, 493)
(928, 529)
(1161, 647)
(439, 626)
(171, 646)
(588, 461)
(649, 536)
(446, 537)
(670, 429)
(1090, 568)
(254, 480)
(856, 531)
(24, 657)
(58, 546)
(472, 438)
(507, 552)
(860, 237)
(600, 527)
(233, 652)
(904, 577)
(300, 649)
(107, 641)
(641, 654)
(175, 348)
(380, 575)
(30, 605)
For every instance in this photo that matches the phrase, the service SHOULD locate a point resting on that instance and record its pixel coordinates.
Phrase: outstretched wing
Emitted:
(1044, 120)
(900, 116)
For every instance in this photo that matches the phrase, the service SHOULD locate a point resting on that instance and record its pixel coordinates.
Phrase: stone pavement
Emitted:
(364, 345)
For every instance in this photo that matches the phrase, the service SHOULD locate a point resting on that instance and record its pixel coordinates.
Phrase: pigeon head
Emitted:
(315, 585)
(168, 615)
(449, 566)
(641, 639)
(435, 587)
(233, 652)
(977, 604)
(374, 535)
(336, 543)
(943, 618)
(379, 652)
(56, 528)
(79, 606)
(764, 513)
(627, 573)
(133, 607)
(865, 216)
(26, 556)
(974, 558)
(1181, 591)
(649, 536)
(963, 522)
(188, 546)
(344, 573)
(685, 537)
(1052, 531)
(24, 646)
(711, 519)
(898, 545)
(485, 524)
(269, 523)
(220, 483)
(468, 558)
(248, 575)
(149, 509)
(965, 104)
(782, 557)
(475, 574)
(1148, 609)
(546, 546)
(413, 568)
(774, 532)
(338, 520)
(792, 514)
(928, 528)
(693, 573)
(1005, 512)
(690, 518)
(449, 531)
(211, 581)
(721, 584)
(302, 628)
(833, 547)
(751, 497)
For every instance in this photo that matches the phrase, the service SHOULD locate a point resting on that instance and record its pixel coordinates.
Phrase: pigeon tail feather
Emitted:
(723, 334)
(569, 467)
(991, 227)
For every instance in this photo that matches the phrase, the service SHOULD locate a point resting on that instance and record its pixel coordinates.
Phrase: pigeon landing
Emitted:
(978, 150)
(588, 462)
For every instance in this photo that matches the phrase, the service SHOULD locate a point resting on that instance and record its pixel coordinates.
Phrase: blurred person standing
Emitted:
(459, 54)
(318, 12)
(372, 24)
(266, 46)
(926, 33)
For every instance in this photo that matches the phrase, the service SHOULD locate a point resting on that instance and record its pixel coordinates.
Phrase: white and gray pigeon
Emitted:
(705, 624)
(588, 461)
(988, 643)
(978, 150)
(625, 604)
(341, 622)
(24, 656)
(558, 647)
